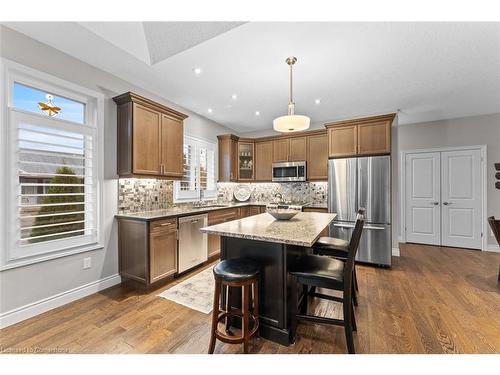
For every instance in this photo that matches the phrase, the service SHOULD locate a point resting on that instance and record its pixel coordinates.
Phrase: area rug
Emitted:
(197, 292)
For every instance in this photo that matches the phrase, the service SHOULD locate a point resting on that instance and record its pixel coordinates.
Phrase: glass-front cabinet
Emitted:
(246, 161)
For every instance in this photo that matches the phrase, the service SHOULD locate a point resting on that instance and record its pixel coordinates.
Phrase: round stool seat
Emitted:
(236, 270)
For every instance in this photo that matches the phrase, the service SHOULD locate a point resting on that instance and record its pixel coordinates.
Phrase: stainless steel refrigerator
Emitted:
(362, 182)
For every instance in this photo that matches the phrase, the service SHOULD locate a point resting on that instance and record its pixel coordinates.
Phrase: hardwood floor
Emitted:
(433, 300)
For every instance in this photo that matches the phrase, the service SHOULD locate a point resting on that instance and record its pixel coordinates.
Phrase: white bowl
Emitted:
(282, 212)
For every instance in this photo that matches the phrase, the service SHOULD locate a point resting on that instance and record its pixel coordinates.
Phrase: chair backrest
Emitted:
(495, 227)
(354, 244)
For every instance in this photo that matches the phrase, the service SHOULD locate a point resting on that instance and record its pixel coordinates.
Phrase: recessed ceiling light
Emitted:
(197, 71)
(209, 110)
(257, 113)
(317, 101)
(234, 96)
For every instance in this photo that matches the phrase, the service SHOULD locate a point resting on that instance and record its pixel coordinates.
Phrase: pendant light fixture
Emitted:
(291, 122)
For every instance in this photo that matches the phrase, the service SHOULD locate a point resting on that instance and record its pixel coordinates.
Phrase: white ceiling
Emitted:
(430, 71)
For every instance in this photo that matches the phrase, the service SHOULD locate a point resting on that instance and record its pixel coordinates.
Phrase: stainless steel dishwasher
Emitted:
(192, 243)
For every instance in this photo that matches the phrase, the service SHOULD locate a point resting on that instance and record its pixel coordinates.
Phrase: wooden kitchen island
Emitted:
(275, 245)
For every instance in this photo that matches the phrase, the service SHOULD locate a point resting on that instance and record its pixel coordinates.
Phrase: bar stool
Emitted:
(329, 273)
(235, 273)
(338, 249)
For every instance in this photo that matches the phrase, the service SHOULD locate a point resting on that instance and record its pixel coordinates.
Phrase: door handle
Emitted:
(376, 228)
(446, 203)
(435, 203)
(343, 226)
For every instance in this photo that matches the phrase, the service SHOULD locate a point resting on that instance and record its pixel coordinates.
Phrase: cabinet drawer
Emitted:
(222, 216)
(164, 224)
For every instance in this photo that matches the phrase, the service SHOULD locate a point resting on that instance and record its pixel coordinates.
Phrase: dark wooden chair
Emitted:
(495, 227)
(235, 273)
(338, 249)
(325, 272)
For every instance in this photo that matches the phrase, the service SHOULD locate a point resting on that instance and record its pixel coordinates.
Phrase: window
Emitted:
(54, 166)
(199, 172)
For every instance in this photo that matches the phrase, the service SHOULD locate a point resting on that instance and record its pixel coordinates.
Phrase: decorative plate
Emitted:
(242, 193)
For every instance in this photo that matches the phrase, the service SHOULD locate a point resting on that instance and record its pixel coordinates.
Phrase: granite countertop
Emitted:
(302, 230)
(183, 211)
(178, 211)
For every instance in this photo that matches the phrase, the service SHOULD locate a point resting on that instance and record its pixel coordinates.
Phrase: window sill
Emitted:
(26, 262)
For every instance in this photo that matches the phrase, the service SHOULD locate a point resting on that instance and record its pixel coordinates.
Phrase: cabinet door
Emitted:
(146, 141)
(281, 150)
(317, 157)
(374, 138)
(298, 149)
(254, 210)
(163, 254)
(228, 158)
(342, 141)
(263, 161)
(219, 217)
(246, 161)
(172, 141)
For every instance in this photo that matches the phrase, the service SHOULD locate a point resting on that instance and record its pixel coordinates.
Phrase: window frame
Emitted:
(180, 196)
(94, 118)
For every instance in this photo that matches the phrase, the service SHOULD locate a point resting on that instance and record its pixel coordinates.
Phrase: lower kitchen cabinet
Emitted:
(147, 250)
(163, 254)
(219, 217)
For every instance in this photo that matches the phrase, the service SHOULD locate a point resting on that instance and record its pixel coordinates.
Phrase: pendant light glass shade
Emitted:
(291, 122)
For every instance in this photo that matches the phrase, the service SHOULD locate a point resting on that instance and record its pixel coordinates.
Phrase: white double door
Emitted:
(444, 198)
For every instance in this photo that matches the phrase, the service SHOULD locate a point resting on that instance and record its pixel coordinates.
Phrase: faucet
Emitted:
(279, 197)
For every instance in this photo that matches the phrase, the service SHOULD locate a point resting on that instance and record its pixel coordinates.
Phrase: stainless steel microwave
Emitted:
(289, 172)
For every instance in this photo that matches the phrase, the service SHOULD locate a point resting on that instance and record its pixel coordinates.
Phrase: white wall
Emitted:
(30, 284)
(466, 131)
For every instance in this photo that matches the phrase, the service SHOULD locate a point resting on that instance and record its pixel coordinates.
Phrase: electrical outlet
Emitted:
(87, 263)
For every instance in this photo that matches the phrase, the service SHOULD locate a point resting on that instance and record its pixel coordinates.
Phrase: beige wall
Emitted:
(466, 131)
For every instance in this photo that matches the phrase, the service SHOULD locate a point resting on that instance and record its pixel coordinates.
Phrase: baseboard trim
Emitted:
(493, 248)
(395, 252)
(36, 308)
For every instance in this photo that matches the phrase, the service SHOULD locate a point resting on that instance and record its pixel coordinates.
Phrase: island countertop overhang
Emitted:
(302, 230)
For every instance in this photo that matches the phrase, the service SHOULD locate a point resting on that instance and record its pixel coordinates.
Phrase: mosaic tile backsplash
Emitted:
(136, 195)
(297, 192)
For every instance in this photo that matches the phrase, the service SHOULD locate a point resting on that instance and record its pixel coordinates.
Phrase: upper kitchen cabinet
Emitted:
(263, 161)
(246, 161)
(281, 150)
(150, 138)
(363, 136)
(317, 157)
(298, 149)
(228, 158)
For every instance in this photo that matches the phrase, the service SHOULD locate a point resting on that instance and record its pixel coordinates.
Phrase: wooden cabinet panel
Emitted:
(163, 254)
(254, 210)
(218, 217)
(374, 138)
(228, 158)
(342, 141)
(281, 150)
(150, 138)
(172, 140)
(124, 142)
(263, 161)
(146, 141)
(317, 157)
(298, 147)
